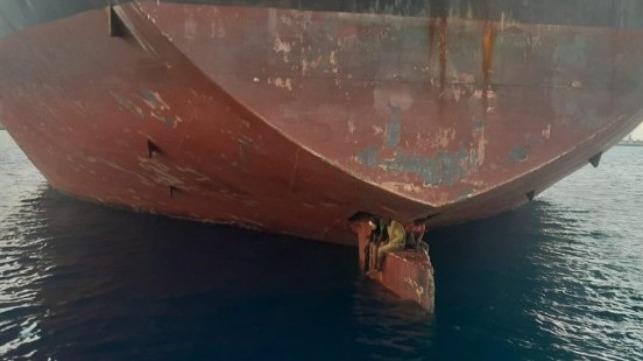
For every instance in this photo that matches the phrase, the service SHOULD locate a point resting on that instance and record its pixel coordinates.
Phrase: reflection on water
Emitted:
(558, 279)
(20, 273)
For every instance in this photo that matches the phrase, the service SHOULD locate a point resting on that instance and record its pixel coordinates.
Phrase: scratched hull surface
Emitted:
(293, 119)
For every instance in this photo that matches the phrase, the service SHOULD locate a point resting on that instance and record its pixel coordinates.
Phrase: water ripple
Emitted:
(560, 279)
(593, 266)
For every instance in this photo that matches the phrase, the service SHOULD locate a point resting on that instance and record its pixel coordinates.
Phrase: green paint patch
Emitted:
(368, 156)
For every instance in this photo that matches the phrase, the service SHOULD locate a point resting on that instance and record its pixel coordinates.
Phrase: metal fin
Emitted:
(531, 195)
(115, 24)
(595, 160)
(152, 149)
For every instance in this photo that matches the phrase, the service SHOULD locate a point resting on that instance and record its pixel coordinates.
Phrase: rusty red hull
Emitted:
(291, 121)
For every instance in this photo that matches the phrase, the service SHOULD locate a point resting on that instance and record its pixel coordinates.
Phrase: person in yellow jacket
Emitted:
(396, 241)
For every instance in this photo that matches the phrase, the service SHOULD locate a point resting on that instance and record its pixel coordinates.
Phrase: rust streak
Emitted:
(431, 30)
(443, 50)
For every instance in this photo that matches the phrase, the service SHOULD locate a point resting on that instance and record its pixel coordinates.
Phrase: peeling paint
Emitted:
(217, 28)
(443, 137)
(200, 177)
(385, 98)
(484, 93)
(397, 186)
(546, 133)
(481, 151)
(351, 127)
(332, 60)
(419, 290)
(283, 83)
(159, 108)
(154, 100)
(160, 172)
(283, 47)
(443, 168)
(128, 105)
(171, 121)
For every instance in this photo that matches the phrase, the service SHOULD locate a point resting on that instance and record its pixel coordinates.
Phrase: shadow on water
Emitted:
(110, 284)
(483, 284)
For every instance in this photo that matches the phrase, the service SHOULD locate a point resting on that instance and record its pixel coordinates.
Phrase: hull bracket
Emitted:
(595, 160)
(115, 25)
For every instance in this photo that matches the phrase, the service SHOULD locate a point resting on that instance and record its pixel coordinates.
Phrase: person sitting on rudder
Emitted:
(396, 241)
(414, 236)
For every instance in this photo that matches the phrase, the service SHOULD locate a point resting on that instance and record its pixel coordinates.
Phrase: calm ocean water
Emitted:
(559, 279)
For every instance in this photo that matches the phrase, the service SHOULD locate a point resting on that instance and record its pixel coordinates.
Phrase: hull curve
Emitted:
(292, 121)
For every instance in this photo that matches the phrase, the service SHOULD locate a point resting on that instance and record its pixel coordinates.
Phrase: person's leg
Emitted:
(381, 251)
(411, 242)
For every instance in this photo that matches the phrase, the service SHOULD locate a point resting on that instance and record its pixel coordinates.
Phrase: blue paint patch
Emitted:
(368, 156)
(572, 54)
(478, 124)
(150, 97)
(392, 132)
(444, 168)
(518, 154)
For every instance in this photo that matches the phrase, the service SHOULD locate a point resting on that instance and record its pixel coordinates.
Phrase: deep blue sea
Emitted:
(559, 279)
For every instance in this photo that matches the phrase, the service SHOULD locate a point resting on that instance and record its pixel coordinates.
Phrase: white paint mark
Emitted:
(419, 290)
(282, 47)
(286, 20)
(332, 58)
(190, 28)
(546, 133)
(159, 103)
(283, 83)
(482, 145)
(398, 96)
(351, 127)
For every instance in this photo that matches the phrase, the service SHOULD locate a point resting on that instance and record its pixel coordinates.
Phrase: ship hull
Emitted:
(229, 114)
